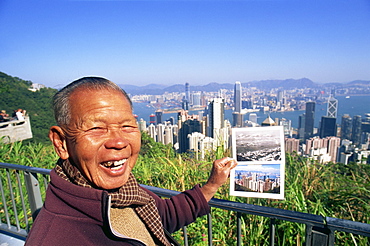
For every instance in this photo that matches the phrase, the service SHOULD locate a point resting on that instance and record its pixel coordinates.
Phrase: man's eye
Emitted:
(97, 129)
(129, 127)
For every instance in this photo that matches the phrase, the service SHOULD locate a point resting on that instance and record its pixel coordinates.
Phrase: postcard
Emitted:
(260, 154)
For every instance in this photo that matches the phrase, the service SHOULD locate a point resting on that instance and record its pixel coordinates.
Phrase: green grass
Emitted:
(334, 190)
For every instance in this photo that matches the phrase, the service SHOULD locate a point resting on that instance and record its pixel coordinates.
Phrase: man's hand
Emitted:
(219, 175)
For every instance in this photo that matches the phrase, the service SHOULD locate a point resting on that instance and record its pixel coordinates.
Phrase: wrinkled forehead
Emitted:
(88, 99)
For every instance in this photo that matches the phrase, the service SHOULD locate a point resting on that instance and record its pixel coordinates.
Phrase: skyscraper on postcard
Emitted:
(216, 116)
(309, 119)
(238, 97)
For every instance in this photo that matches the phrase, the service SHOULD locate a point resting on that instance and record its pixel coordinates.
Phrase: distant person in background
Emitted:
(2, 116)
(19, 114)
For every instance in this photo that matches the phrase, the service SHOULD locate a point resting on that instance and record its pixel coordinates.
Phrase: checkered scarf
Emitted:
(129, 194)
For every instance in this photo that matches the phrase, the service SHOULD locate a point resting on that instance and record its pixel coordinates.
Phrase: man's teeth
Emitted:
(113, 164)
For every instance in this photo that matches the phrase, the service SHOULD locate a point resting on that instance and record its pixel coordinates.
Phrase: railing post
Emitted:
(238, 228)
(185, 232)
(209, 218)
(4, 203)
(272, 231)
(34, 194)
(319, 236)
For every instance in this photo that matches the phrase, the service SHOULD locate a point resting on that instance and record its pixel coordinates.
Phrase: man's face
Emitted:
(103, 138)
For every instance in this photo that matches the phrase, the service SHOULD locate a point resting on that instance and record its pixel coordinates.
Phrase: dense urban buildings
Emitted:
(207, 127)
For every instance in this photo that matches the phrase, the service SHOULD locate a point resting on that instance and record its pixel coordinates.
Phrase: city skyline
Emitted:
(174, 42)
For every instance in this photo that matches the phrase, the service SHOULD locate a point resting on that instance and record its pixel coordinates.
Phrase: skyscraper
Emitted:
(237, 119)
(187, 92)
(310, 119)
(346, 127)
(328, 127)
(237, 97)
(332, 107)
(188, 127)
(356, 129)
(301, 125)
(216, 115)
(196, 99)
(158, 116)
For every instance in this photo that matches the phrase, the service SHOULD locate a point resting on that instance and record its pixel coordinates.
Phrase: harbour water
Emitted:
(354, 105)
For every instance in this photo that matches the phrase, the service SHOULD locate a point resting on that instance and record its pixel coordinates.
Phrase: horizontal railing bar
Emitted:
(276, 213)
(348, 226)
(25, 168)
(12, 230)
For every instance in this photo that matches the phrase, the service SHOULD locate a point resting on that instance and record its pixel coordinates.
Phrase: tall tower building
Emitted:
(310, 119)
(160, 133)
(237, 119)
(301, 125)
(328, 127)
(280, 96)
(158, 116)
(152, 132)
(188, 127)
(332, 107)
(187, 92)
(356, 129)
(196, 99)
(287, 124)
(237, 97)
(216, 117)
(346, 127)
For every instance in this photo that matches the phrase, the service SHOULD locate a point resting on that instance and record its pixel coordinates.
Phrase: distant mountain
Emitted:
(284, 84)
(151, 89)
(359, 82)
(154, 89)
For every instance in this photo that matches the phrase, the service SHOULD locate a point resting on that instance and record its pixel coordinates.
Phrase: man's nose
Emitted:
(117, 139)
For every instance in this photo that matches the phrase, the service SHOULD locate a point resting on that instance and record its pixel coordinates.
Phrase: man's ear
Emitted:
(57, 137)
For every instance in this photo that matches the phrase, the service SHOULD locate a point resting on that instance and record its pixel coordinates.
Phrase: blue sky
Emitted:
(169, 42)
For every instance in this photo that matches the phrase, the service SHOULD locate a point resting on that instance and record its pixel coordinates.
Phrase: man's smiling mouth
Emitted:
(114, 164)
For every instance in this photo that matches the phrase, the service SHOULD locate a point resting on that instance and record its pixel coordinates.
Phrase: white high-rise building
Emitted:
(152, 132)
(160, 133)
(168, 134)
(216, 114)
(142, 125)
(238, 97)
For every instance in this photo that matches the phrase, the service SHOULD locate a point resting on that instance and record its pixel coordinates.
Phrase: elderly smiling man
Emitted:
(93, 198)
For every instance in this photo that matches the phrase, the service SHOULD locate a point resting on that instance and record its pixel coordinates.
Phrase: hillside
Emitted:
(15, 94)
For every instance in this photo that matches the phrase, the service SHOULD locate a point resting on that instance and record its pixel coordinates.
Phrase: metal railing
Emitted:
(22, 190)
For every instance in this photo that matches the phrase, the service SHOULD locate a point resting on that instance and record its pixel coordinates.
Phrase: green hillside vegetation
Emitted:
(334, 190)
(14, 94)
